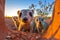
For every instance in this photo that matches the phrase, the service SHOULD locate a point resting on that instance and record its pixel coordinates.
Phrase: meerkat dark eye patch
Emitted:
(30, 13)
(36, 19)
(20, 14)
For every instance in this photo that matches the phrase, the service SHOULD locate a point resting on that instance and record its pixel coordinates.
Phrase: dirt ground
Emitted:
(14, 35)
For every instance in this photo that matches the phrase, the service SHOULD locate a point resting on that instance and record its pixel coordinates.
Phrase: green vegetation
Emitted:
(44, 10)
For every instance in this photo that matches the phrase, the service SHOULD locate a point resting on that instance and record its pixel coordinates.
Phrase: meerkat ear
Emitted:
(18, 12)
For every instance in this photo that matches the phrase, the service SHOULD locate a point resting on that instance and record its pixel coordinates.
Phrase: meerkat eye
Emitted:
(20, 14)
(37, 20)
(30, 14)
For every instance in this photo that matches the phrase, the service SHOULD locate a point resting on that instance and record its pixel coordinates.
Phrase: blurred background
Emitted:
(40, 7)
